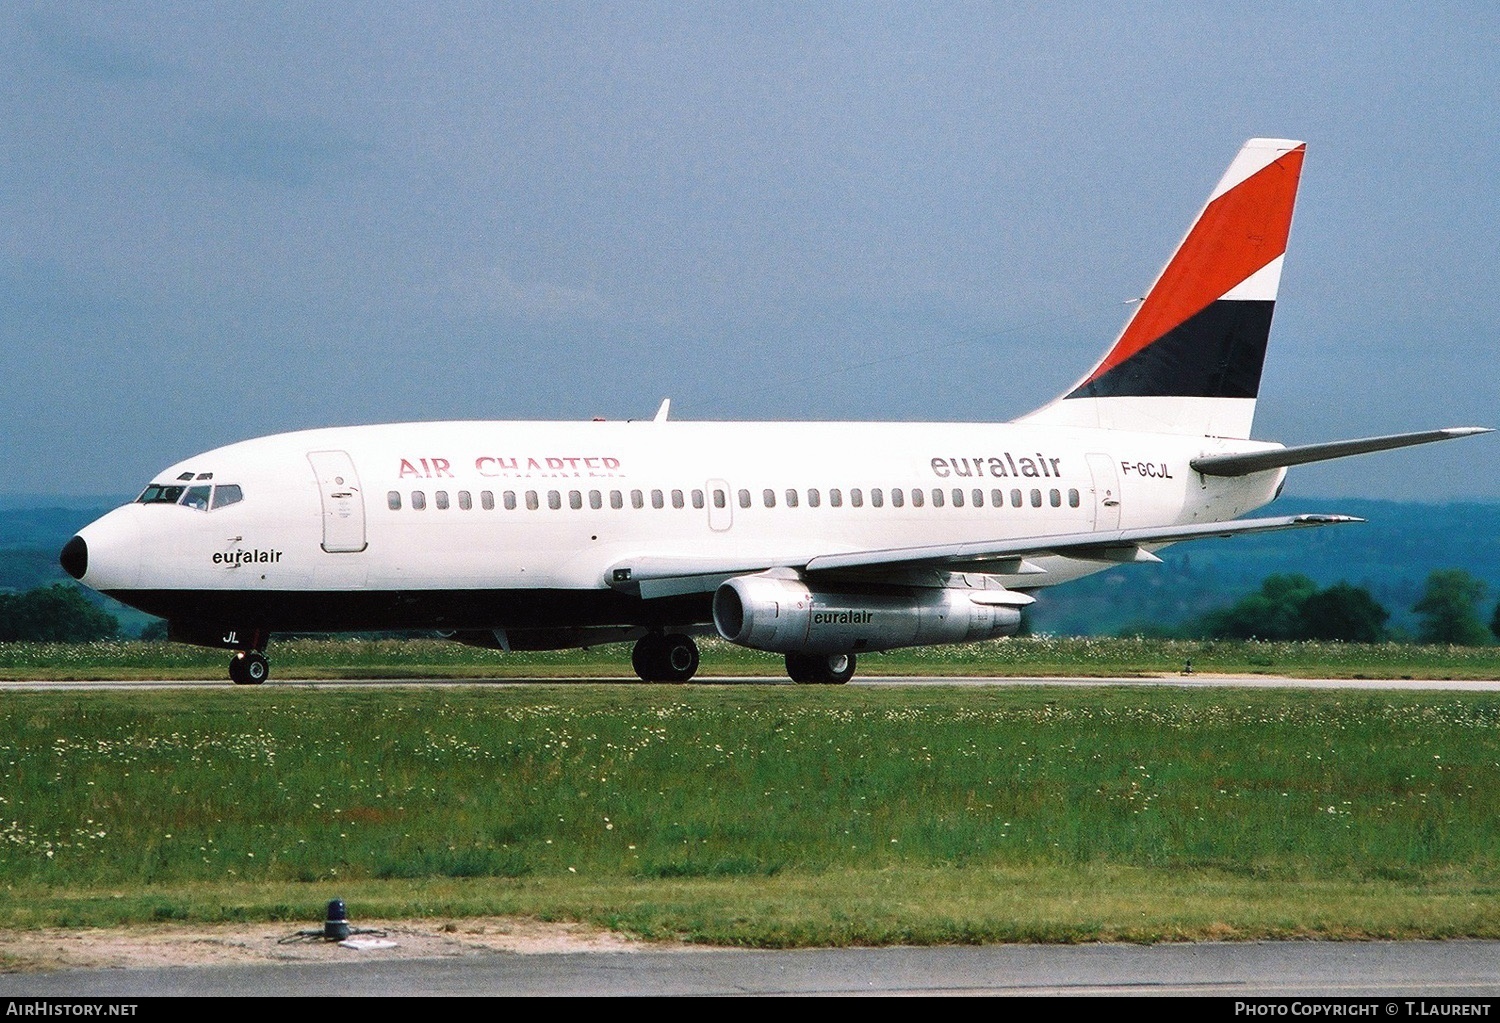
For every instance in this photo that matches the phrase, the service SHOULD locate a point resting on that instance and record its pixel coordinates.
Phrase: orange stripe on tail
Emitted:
(1238, 233)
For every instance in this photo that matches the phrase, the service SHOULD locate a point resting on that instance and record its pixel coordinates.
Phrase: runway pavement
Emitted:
(1388, 974)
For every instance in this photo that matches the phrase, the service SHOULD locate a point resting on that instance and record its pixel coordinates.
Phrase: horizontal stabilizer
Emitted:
(1280, 458)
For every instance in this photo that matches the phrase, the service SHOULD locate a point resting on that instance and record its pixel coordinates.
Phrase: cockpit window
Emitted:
(201, 497)
(196, 497)
(159, 494)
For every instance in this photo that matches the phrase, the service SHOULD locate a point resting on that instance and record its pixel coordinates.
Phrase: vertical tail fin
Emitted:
(1189, 359)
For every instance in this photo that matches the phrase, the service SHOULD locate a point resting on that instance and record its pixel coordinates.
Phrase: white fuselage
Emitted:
(522, 507)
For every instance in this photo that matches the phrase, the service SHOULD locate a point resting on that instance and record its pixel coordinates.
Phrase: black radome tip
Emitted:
(75, 557)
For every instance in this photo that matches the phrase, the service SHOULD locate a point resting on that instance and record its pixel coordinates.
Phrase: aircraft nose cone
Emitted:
(75, 557)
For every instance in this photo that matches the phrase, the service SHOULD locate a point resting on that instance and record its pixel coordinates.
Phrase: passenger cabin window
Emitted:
(677, 499)
(637, 499)
(997, 498)
(744, 498)
(441, 500)
(487, 500)
(393, 500)
(657, 501)
(616, 499)
(768, 497)
(596, 500)
(532, 504)
(791, 499)
(1072, 499)
(958, 497)
(877, 497)
(698, 498)
(916, 498)
(1036, 498)
(575, 499)
(230, 493)
(978, 498)
(835, 498)
(418, 500)
(937, 497)
(857, 497)
(1055, 497)
(898, 497)
(465, 502)
(510, 500)
(554, 499)
(1015, 499)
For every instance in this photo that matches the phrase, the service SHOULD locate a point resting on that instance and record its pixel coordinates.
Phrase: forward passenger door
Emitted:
(343, 502)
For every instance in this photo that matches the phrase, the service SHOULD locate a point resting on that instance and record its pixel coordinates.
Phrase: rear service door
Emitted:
(343, 502)
(1106, 491)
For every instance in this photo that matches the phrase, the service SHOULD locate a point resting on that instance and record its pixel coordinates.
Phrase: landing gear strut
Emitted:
(659, 658)
(249, 668)
(820, 669)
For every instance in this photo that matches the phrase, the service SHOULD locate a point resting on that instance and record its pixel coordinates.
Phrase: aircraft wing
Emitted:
(668, 576)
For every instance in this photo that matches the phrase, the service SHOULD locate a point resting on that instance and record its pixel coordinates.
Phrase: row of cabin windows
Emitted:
(957, 497)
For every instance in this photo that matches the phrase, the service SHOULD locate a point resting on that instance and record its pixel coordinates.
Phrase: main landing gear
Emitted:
(658, 658)
(674, 658)
(820, 669)
(249, 668)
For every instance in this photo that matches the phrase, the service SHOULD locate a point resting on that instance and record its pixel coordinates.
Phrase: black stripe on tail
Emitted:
(1217, 353)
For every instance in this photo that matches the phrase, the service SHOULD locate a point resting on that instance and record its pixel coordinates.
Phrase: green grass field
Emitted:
(768, 816)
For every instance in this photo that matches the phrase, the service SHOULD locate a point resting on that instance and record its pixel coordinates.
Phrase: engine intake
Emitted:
(787, 616)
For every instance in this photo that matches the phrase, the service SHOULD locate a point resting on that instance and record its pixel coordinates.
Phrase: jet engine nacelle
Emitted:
(787, 616)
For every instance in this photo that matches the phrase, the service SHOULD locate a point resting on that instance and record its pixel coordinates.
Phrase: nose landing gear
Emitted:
(249, 668)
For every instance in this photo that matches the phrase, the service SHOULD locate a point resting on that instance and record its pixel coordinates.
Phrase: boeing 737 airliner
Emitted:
(819, 541)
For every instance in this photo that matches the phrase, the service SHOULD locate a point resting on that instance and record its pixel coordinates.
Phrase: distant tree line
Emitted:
(1292, 607)
(54, 614)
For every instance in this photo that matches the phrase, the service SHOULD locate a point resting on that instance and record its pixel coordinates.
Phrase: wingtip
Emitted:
(1326, 520)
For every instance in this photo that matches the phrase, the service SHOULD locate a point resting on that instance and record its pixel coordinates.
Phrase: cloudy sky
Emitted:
(228, 219)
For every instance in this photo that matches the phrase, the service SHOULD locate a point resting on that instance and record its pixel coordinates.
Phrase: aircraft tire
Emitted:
(249, 668)
(679, 658)
(646, 656)
(800, 668)
(671, 658)
(817, 669)
(836, 669)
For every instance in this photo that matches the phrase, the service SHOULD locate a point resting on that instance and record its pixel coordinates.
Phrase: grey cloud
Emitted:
(270, 150)
(89, 54)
